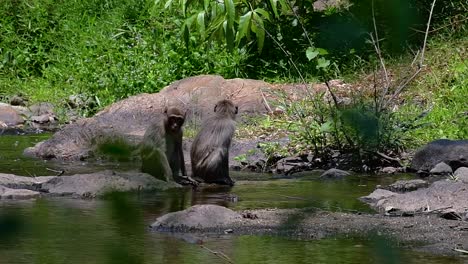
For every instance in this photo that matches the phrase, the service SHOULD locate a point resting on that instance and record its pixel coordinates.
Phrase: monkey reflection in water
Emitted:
(161, 149)
(210, 149)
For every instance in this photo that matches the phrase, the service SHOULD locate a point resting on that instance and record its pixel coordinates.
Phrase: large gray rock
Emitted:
(440, 197)
(452, 152)
(9, 116)
(198, 217)
(441, 169)
(17, 194)
(100, 183)
(403, 186)
(376, 196)
(81, 185)
(129, 118)
(23, 182)
(461, 174)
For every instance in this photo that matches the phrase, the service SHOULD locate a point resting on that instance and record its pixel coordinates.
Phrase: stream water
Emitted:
(115, 229)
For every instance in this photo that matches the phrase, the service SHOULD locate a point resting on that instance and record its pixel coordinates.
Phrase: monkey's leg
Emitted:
(155, 163)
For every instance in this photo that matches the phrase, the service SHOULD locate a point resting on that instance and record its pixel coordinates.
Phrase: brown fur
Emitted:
(210, 149)
(161, 149)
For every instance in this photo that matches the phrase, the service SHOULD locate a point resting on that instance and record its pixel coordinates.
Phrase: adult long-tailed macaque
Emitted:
(161, 149)
(210, 149)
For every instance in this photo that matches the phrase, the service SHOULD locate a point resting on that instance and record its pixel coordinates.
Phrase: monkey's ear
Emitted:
(237, 109)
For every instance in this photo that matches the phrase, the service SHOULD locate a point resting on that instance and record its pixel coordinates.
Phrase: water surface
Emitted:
(115, 229)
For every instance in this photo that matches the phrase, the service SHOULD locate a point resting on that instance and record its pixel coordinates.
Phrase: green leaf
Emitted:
(245, 23)
(322, 63)
(230, 13)
(274, 7)
(183, 6)
(186, 35)
(168, 3)
(201, 24)
(322, 51)
(206, 4)
(259, 30)
(311, 53)
(263, 13)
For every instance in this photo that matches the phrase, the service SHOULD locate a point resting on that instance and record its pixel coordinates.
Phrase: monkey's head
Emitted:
(226, 108)
(174, 119)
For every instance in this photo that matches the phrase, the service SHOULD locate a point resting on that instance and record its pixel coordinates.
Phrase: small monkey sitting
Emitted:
(161, 149)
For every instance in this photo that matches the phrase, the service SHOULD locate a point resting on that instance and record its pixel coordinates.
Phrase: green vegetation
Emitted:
(109, 50)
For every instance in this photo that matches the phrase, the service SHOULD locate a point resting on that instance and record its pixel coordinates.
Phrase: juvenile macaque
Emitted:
(210, 149)
(161, 149)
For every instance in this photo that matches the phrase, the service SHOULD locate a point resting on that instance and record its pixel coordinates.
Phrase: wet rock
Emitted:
(9, 116)
(17, 194)
(441, 169)
(86, 185)
(99, 183)
(461, 174)
(290, 165)
(22, 182)
(389, 170)
(376, 196)
(452, 152)
(334, 174)
(403, 186)
(440, 197)
(198, 217)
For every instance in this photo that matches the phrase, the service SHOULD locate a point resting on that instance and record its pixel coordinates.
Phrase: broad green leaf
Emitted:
(274, 7)
(201, 24)
(259, 30)
(311, 53)
(245, 22)
(230, 38)
(322, 51)
(322, 63)
(230, 13)
(206, 4)
(285, 9)
(263, 13)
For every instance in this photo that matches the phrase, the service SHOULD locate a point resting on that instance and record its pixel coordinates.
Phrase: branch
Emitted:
(427, 33)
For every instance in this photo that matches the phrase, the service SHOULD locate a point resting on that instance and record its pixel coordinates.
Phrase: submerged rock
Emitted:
(17, 194)
(23, 182)
(100, 183)
(198, 217)
(334, 174)
(86, 185)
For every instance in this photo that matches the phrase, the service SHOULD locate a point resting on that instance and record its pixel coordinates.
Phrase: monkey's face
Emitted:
(175, 123)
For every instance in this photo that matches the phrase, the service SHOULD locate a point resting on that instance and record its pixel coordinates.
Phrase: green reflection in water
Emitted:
(12, 159)
(114, 231)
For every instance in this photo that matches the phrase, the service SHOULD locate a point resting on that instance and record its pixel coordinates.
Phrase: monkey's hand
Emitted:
(187, 180)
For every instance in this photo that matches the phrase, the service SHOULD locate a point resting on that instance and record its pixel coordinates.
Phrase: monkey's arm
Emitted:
(182, 161)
